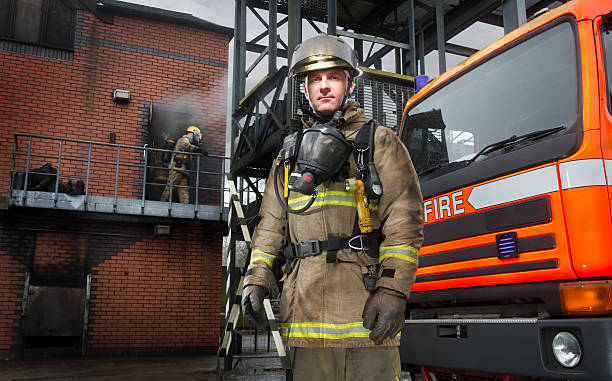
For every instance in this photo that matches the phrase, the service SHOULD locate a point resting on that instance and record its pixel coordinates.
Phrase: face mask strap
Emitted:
(347, 92)
(305, 86)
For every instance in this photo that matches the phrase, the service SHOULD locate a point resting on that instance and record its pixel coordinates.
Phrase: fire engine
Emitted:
(514, 153)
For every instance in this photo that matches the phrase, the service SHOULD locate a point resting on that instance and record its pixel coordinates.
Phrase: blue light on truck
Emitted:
(420, 81)
(507, 246)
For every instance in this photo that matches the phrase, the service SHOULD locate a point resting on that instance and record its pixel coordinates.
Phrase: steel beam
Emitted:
(358, 46)
(272, 38)
(440, 36)
(314, 26)
(460, 50)
(421, 48)
(295, 38)
(515, 14)
(256, 48)
(398, 60)
(377, 56)
(239, 31)
(295, 27)
(332, 17)
(241, 7)
(412, 37)
(377, 40)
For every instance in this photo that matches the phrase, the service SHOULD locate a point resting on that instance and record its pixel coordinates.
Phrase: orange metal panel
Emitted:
(560, 253)
(605, 118)
(589, 230)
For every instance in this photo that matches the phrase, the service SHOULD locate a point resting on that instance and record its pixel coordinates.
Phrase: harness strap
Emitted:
(316, 247)
(332, 245)
(364, 146)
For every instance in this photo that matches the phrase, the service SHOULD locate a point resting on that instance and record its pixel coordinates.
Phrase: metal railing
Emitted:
(64, 173)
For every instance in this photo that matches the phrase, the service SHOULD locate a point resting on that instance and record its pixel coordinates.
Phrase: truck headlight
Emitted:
(566, 348)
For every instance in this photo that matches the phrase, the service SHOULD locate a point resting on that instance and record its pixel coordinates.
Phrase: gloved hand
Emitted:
(203, 150)
(252, 305)
(383, 314)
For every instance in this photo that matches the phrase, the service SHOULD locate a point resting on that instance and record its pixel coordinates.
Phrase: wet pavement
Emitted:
(249, 365)
(255, 362)
(141, 369)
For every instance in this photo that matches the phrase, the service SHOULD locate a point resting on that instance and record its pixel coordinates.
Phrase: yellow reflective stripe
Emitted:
(316, 330)
(258, 255)
(323, 325)
(321, 335)
(330, 198)
(403, 252)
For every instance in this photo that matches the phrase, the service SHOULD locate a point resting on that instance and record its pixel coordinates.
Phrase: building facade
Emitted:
(91, 262)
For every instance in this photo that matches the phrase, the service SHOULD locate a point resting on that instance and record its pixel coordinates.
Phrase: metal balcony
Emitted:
(90, 176)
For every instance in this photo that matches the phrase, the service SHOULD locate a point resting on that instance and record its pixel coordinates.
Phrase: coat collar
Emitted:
(354, 117)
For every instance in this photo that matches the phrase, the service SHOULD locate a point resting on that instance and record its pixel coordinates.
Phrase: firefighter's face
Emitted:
(326, 90)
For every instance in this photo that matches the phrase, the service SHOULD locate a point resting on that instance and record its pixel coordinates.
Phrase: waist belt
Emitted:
(316, 247)
(331, 246)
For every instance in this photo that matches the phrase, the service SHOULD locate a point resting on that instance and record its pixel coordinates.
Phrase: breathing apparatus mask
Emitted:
(319, 152)
(323, 150)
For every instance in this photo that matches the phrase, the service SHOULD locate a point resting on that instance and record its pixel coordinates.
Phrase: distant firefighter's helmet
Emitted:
(197, 135)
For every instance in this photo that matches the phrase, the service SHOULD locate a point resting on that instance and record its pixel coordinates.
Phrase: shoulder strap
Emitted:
(364, 145)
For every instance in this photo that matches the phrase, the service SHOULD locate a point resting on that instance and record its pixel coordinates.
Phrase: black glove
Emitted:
(252, 305)
(203, 150)
(383, 314)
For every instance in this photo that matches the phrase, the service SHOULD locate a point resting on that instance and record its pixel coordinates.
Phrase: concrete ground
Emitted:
(139, 369)
(262, 364)
(249, 366)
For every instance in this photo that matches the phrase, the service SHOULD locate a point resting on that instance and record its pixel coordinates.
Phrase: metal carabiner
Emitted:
(360, 163)
(360, 237)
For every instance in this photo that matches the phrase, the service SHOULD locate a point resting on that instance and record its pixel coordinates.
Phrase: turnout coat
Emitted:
(321, 302)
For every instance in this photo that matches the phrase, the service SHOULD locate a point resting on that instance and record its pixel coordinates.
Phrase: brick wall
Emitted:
(71, 97)
(149, 294)
(158, 295)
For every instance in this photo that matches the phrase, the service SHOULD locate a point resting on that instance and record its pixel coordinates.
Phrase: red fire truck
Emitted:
(514, 153)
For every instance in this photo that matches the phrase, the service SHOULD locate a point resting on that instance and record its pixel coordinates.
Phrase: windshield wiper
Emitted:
(535, 135)
(451, 167)
(433, 168)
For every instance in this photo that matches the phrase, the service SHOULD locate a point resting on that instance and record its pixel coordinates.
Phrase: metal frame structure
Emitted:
(390, 26)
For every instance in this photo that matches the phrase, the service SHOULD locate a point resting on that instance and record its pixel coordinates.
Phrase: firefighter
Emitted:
(178, 170)
(343, 300)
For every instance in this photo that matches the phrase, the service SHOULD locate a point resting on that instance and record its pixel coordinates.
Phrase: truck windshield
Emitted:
(530, 87)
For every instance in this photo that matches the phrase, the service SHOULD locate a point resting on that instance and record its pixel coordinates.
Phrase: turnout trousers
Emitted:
(179, 183)
(345, 364)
